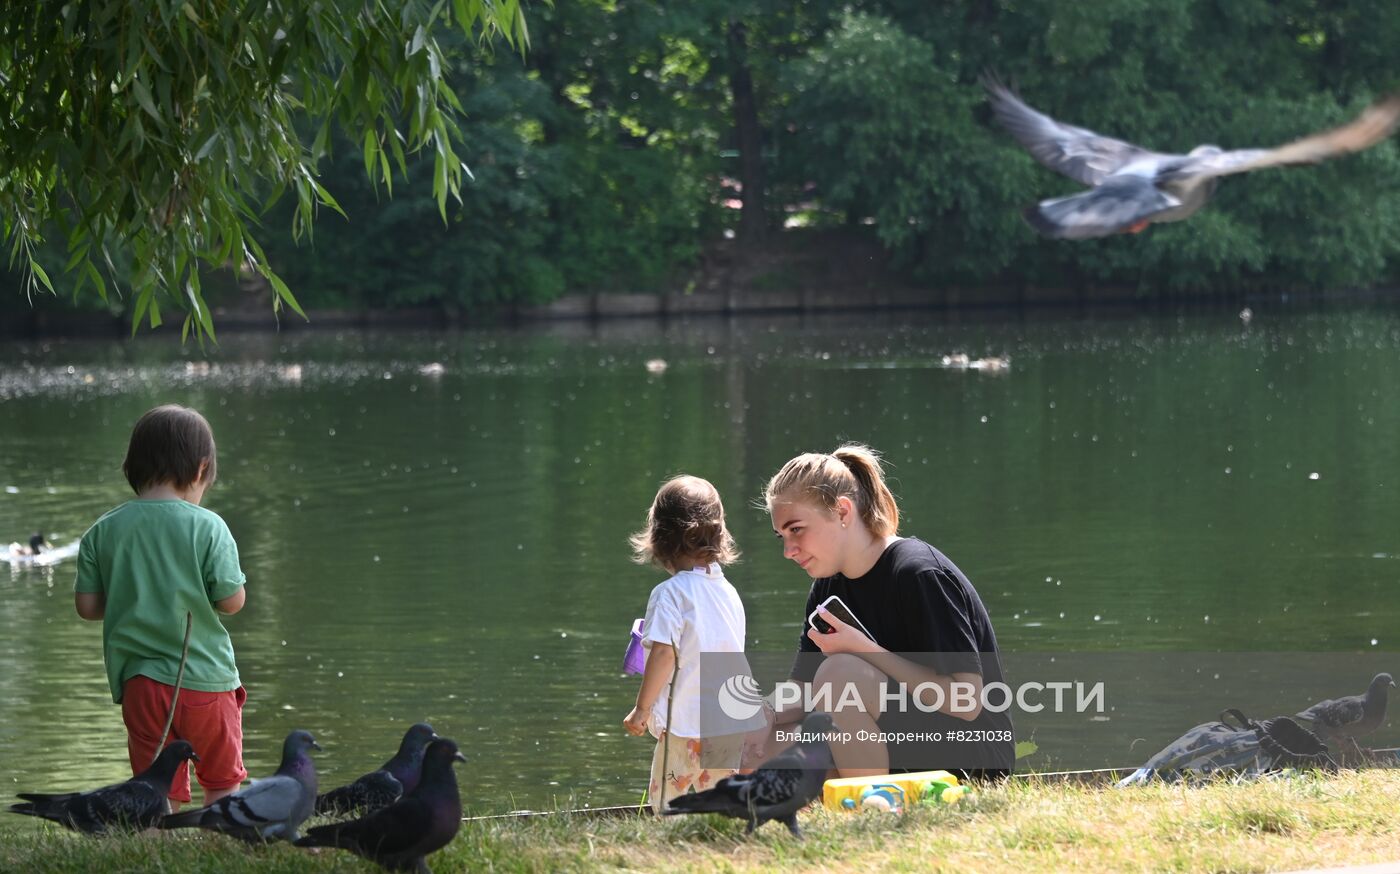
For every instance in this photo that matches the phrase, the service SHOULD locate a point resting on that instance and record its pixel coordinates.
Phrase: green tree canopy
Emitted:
(607, 159)
(155, 133)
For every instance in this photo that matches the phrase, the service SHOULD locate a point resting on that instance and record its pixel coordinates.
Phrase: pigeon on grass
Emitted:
(268, 809)
(400, 837)
(382, 787)
(136, 804)
(779, 787)
(1293, 746)
(1131, 187)
(1352, 716)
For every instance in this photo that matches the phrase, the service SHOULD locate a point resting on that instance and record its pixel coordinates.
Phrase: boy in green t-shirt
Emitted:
(141, 567)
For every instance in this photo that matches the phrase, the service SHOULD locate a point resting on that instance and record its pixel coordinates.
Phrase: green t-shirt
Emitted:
(155, 560)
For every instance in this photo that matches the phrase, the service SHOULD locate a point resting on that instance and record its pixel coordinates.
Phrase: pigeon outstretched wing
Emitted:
(1076, 152)
(1377, 122)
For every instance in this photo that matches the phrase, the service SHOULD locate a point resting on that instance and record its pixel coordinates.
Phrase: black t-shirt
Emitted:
(918, 604)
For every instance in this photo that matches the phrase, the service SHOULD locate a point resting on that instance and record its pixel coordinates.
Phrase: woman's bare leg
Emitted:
(840, 672)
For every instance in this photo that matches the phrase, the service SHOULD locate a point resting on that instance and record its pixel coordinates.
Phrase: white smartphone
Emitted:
(836, 607)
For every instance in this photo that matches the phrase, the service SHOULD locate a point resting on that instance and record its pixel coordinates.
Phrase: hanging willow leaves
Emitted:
(158, 133)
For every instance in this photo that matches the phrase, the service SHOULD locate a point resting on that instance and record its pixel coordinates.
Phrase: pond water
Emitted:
(452, 546)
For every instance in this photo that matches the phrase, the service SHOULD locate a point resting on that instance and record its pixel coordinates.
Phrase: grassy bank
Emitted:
(1300, 822)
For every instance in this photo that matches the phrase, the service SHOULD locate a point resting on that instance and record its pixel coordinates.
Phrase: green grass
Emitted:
(1299, 822)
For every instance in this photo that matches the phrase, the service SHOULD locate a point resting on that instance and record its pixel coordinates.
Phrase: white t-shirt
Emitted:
(696, 611)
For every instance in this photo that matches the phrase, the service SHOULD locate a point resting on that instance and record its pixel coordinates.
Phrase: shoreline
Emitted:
(663, 308)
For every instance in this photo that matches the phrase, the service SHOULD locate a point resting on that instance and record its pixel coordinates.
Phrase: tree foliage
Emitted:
(158, 130)
(551, 207)
(606, 158)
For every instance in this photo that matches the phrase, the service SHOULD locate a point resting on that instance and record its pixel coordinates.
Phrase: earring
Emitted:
(843, 524)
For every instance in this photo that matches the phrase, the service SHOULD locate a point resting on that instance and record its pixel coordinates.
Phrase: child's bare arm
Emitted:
(90, 605)
(661, 663)
(233, 603)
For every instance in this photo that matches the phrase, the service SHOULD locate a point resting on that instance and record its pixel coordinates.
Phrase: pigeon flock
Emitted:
(411, 805)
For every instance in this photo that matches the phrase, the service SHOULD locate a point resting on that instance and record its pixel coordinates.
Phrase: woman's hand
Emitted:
(636, 722)
(842, 637)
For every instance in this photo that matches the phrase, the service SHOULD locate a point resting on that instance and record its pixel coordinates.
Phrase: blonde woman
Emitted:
(929, 633)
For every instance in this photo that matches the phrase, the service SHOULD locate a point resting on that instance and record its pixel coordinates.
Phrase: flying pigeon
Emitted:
(1352, 716)
(400, 836)
(383, 787)
(779, 787)
(274, 807)
(1132, 187)
(136, 804)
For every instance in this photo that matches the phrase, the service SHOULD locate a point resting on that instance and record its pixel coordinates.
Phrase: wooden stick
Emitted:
(666, 740)
(179, 675)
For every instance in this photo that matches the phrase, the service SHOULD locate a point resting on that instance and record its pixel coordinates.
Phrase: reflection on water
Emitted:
(434, 525)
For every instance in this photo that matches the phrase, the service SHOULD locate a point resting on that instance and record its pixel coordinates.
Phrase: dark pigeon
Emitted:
(1131, 187)
(268, 809)
(1293, 746)
(136, 804)
(400, 836)
(1246, 749)
(779, 787)
(1353, 716)
(383, 787)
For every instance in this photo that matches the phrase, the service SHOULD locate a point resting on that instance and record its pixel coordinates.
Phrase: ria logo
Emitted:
(740, 698)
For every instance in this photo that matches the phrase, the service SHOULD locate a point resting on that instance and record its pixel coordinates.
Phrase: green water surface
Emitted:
(453, 547)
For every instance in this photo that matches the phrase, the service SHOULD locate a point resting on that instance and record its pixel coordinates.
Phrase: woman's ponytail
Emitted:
(878, 509)
(852, 471)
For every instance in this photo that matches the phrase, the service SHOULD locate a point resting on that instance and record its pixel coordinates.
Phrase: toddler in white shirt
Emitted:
(695, 611)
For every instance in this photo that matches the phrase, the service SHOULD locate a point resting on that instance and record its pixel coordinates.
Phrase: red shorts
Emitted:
(211, 721)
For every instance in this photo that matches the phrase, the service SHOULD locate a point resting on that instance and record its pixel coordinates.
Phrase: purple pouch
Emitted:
(635, 661)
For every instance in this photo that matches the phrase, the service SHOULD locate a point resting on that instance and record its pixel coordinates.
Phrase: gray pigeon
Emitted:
(1132, 187)
(136, 804)
(401, 836)
(271, 808)
(386, 785)
(779, 787)
(1352, 716)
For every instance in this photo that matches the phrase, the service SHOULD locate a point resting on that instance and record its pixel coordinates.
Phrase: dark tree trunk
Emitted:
(753, 218)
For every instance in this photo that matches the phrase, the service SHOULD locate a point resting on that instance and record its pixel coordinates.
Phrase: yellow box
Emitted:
(898, 790)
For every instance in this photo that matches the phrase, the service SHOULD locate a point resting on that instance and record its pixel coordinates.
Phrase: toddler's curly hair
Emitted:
(686, 521)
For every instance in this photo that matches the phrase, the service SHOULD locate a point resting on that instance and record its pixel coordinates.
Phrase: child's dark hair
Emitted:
(168, 445)
(686, 521)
